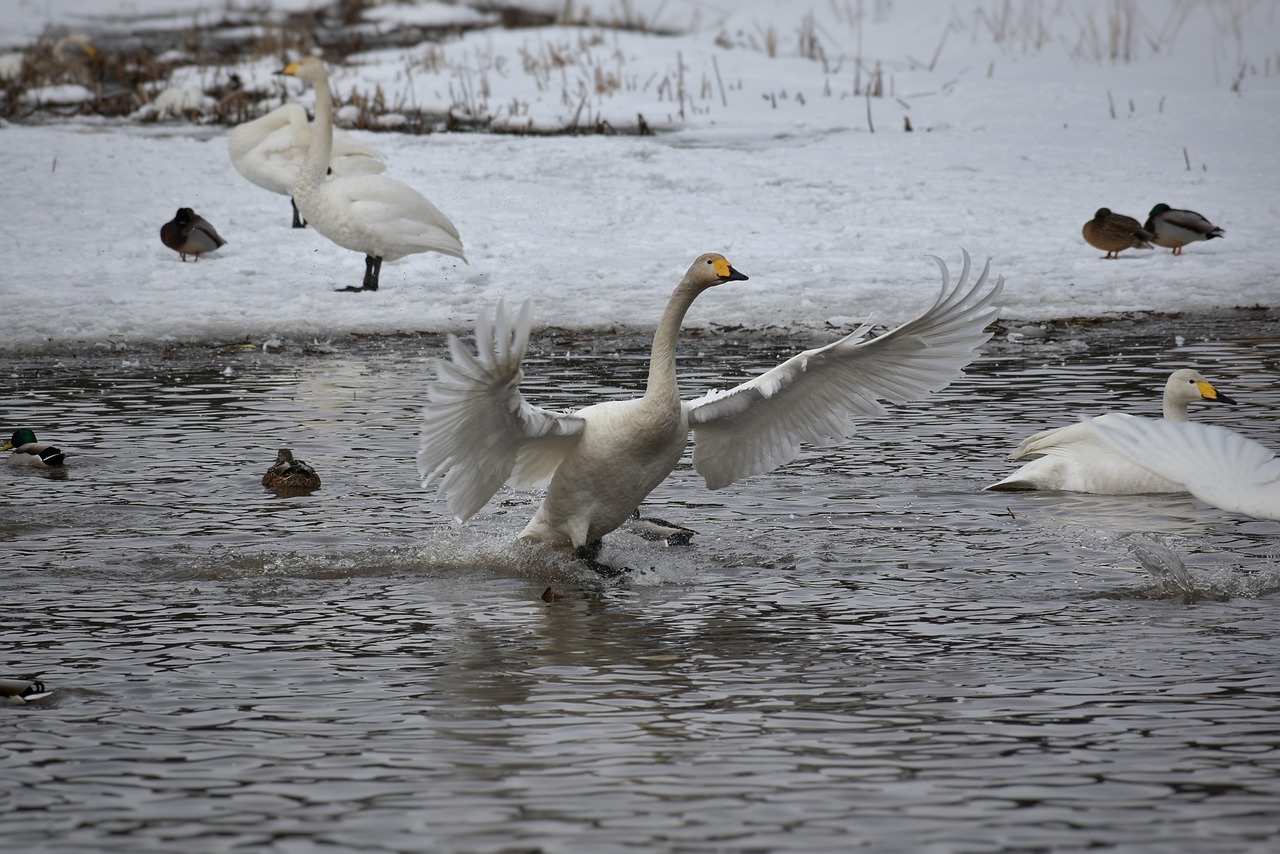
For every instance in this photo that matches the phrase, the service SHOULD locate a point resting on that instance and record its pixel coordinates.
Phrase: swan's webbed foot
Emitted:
(589, 553)
(298, 221)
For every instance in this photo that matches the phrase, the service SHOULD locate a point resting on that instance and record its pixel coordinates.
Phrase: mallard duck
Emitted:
(22, 690)
(269, 149)
(478, 431)
(288, 474)
(1114, 233)
(189, 234)
(659, 530)
(28, 452)
(1216, 465)
(1174, 228)
(1073, 459)
(372, 214)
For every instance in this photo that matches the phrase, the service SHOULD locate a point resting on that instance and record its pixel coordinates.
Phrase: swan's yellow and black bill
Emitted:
(725, 271)
(1208, 392)
(290, 69)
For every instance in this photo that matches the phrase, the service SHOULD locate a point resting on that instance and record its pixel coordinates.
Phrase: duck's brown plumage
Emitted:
(189, 234)
(290, 476)
(1113, 233)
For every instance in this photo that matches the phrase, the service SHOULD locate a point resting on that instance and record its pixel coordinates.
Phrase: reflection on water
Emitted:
(862, 649)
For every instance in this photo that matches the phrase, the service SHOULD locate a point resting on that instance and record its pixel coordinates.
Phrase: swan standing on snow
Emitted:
(1074, 460)
(478, 432)
(1216, 465)
(373, 214)
(269, 149)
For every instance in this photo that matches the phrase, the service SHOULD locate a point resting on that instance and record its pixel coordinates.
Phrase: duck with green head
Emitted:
(1174, 228)
(28, 452)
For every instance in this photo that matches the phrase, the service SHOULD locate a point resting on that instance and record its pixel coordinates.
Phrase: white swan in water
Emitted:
(269, 149)
(1073, 459)
(373, 214)
(479, 432)
(1216, 465)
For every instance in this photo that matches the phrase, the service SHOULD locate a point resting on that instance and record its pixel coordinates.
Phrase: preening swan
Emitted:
(269, 149)
(1174, 228)
(189, 234)
(373, 214)
(479, 432)
(1216, 465)
(1073, 459)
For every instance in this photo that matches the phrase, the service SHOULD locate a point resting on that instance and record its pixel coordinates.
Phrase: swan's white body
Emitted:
(373, 214)
(1073, 459)
(1216, 465)
(479, 432)
(269, 149)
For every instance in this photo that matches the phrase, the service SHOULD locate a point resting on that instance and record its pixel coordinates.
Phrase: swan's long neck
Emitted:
(662, 385)
(1175, 408)
(316, 164)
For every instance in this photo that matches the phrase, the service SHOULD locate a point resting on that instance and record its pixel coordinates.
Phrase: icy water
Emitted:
(860, 651)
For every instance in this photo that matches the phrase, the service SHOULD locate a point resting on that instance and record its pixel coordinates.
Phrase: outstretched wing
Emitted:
(476, 425)
(1219, 466)
(759, 425)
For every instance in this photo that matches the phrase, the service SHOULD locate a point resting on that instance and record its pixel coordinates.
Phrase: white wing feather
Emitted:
(1219, 466)
(476, 426)
(761, 424)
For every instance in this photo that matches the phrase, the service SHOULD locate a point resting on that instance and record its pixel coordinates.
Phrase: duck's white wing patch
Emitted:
(1219, 466)
(761, 424)
(476, 425)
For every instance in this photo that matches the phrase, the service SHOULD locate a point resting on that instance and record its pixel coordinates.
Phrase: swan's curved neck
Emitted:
(316, 164)
(662, 359)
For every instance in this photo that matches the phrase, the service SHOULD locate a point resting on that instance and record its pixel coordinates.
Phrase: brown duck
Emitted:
(189, 234)
(288, 476)
(1113, 233)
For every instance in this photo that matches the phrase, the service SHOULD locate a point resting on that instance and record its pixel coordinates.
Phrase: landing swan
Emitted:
(269, 149)
(1074, 460)
(1174, 228)
(1216, 465)
(189, 234)
(373, 214)
(478, 431)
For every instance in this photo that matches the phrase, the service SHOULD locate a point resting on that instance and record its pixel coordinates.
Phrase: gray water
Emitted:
(859, 651)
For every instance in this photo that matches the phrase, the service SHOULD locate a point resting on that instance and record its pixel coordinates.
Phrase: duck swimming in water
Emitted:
(29, 452)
